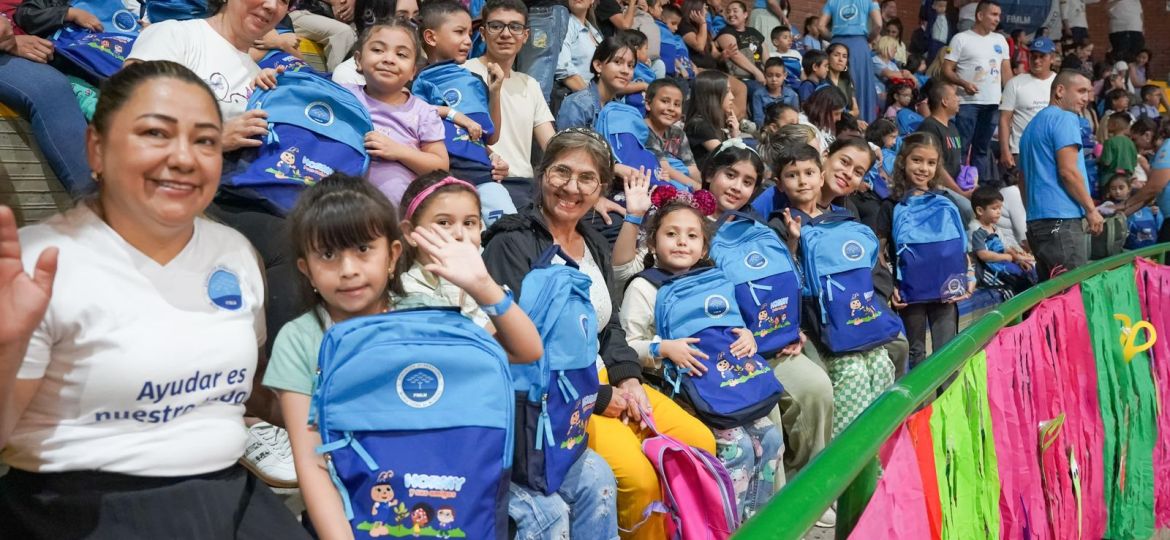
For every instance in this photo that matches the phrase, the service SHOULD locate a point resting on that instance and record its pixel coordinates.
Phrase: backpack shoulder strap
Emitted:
(656, 276)
(546, 257)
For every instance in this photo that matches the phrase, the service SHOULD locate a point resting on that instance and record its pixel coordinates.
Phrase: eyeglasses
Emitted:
(558, 176)
(495, 27)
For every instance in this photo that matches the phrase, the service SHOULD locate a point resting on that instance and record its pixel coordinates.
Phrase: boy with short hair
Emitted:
(1004, 260)
(675, 56)
(1148, 108)
(668, 141)
(1119, 153)
(782, 41)
(505, 30)
(816, 74)
(775, 90)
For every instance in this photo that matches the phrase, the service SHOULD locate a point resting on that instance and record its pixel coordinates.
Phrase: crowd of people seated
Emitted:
(160, 340)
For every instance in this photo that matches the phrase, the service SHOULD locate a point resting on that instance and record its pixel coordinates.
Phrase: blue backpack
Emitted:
(451, 85)
(792, 71)
(1143, 228)
(624, 128)
(673, 48)
(315, 128)
(94, 55)
(415, 413)
(767, 288)
(555, 395)
(114, 16)
(701, 304)
(277, 58)
(839, 254)
(930, 245)
(177, 10)
(645, 74)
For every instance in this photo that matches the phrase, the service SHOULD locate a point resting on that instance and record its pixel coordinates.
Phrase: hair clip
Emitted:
(701, 200)
(734, 142)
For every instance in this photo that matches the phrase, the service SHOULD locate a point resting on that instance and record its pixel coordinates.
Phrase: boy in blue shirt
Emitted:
(774, 91)
(816, 74)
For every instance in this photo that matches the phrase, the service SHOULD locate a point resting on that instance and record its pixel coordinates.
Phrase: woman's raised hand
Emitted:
(23, 298)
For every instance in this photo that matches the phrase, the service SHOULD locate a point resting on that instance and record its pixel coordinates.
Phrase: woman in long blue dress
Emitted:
(853, 23)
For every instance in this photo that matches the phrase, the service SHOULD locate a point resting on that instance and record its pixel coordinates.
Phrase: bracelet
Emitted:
(654, 349)
(451, 114)
(499, 308)
(630, 218)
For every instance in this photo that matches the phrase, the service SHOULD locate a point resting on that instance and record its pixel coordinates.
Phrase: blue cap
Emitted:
(1042, 45)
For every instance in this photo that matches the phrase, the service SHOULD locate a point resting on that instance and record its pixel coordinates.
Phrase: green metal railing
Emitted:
(848, 467)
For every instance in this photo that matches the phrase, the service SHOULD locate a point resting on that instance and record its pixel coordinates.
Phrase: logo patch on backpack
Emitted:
(223, 289)
(319, 112)
(420, 385)
(715, 306)
(853, 250)
(755, 260)
(452, 96)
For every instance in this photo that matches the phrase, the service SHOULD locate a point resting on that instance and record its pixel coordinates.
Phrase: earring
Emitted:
(96, 177)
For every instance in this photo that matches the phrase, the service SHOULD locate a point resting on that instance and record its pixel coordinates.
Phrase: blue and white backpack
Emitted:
(555, 395)
(315, 128)
(176, 10)
(701, 304)
(113, 14)
(93, 56)
(451, 85)
(930, 245)
(624, 128)
(415, 412)
(838, 256)
(767, 288)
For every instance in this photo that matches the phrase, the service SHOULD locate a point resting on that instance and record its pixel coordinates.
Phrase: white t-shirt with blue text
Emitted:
(1051, 129)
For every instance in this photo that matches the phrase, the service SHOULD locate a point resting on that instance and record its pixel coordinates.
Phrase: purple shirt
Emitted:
(412, 123)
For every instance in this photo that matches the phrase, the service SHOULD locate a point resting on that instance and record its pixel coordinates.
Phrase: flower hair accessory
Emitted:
(701, 200)
(734, 142)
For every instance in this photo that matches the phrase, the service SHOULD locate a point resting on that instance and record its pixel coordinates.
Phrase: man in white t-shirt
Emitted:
(522, 105)
(978, 63)
(1023, 97)
(1125, 29)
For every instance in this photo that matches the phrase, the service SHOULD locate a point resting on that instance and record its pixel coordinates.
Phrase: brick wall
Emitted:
(1157, 26)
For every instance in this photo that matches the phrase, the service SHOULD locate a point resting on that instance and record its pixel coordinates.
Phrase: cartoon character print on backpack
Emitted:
(578, 421)
(861, 309)
(773, 317)
(735, 371)
(390, 516)
(286, 168)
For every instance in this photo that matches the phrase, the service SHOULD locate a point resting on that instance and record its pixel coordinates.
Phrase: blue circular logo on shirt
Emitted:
(124, 21)
(716, 306)
(755, 260)
(223, 289)
(999, 49)
(452, 97)
(848, 12)
(853, 250)
(319, 112)
(420, 385)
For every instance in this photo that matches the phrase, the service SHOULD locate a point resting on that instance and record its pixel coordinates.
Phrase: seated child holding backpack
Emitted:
(437, 202)
(1144, 224)
(927, 244)
(668, 140)
(1006, 262)
(750, 447)
(346, 236)
(848, 320)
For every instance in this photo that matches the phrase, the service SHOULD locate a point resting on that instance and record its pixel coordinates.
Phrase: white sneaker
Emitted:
(828, 519)
(268, 455)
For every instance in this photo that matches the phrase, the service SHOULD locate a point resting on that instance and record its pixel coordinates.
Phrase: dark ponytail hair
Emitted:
(116, 90)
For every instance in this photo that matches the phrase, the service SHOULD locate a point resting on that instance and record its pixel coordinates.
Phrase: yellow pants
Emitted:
(621, 446)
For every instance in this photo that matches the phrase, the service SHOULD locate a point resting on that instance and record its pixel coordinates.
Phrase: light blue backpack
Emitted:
(415, 412)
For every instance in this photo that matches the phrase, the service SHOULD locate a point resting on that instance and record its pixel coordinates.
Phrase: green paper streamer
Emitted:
(964, 449)
(1128, 409)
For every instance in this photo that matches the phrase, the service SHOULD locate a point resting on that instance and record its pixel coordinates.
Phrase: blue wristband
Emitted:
(636, 220)
(499, 308)
(654, 350)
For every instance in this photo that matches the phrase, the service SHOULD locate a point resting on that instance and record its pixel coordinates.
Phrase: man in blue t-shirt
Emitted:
(1061, 213)
(1154, 190)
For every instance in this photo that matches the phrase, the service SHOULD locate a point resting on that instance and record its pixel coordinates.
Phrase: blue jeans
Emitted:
(976, 123)
(43, 96)
(586, 503)
(538, 58)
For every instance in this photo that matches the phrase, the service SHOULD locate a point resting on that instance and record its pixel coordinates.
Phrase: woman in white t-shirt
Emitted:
(123, 417)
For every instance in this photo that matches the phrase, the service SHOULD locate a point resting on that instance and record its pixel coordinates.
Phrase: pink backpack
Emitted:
(696, 489)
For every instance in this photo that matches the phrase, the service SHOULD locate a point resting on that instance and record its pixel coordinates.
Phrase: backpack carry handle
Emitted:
(831, 217)
(733, 213)
(546, 257)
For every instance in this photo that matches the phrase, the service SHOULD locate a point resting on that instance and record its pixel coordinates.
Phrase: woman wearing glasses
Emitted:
(577, 167)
